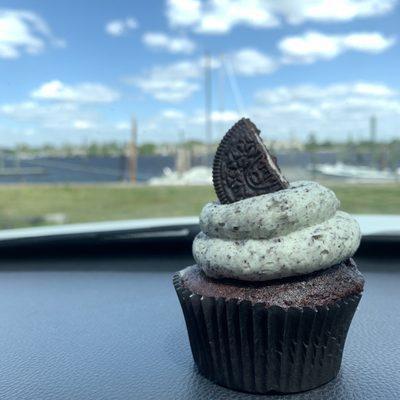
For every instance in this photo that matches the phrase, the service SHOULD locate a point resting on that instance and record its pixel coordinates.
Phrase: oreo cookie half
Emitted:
(243, 167)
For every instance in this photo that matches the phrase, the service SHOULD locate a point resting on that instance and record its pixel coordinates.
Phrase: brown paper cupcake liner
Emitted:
(258, 349)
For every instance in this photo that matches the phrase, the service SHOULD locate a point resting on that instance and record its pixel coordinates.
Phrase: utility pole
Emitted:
(372, 129)
(372, 138)
(133, 152)
(182, 161)
(208, 104)
(312, 144)
(221, 93)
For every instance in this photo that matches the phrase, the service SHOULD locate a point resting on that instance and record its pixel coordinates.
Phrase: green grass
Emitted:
(29, 205)
(369, 199)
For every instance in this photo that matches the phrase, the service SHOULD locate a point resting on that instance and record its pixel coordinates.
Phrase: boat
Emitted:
(355, 172)
(193, 176)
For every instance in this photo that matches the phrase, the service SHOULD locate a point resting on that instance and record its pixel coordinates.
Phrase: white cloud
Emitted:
(80, 93)
(183, 12)
(337, 10)
(24, 32)
(31, 110)
(83, 125)
(332, 111)
(56, 117)
(284, 94)
(58, 122)
(190, 123)
(172, 113)
(220, 16)
(313, 46)
(167, 91)
(373, 42)
(224, 116)
(251, 62)
(123, 126)
(161, 41)
(29, 132)
(170, 83)
(227, 116)
(120, 27)
(173, 83)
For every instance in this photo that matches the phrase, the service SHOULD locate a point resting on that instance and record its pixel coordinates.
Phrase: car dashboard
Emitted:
(96, 317)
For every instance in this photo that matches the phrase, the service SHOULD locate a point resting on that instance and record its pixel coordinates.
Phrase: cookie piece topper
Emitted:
(243, 167)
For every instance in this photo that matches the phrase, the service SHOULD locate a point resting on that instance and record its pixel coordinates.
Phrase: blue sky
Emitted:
(73, 71)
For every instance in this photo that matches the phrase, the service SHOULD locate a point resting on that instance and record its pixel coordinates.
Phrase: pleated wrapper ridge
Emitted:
(259, 349)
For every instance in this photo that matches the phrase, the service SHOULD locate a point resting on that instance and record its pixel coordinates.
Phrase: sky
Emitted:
(77, 71)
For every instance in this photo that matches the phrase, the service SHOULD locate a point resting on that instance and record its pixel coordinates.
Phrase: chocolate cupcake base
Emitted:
(252, 347)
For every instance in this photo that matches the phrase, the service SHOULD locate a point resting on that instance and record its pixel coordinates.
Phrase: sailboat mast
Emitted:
(208, 105)
(133, 151)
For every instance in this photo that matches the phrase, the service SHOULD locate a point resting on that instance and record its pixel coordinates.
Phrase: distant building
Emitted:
(198, 149)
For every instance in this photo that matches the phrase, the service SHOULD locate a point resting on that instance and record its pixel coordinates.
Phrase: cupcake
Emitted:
(274, 289)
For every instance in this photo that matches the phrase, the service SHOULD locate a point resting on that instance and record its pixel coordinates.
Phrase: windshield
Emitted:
(114, 110)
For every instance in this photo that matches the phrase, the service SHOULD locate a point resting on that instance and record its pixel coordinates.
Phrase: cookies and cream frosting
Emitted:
(289, 232)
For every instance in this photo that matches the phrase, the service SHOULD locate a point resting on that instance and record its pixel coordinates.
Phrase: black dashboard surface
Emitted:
(109, 326)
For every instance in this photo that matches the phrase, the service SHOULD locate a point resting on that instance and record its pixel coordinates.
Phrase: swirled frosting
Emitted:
(290, 232)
